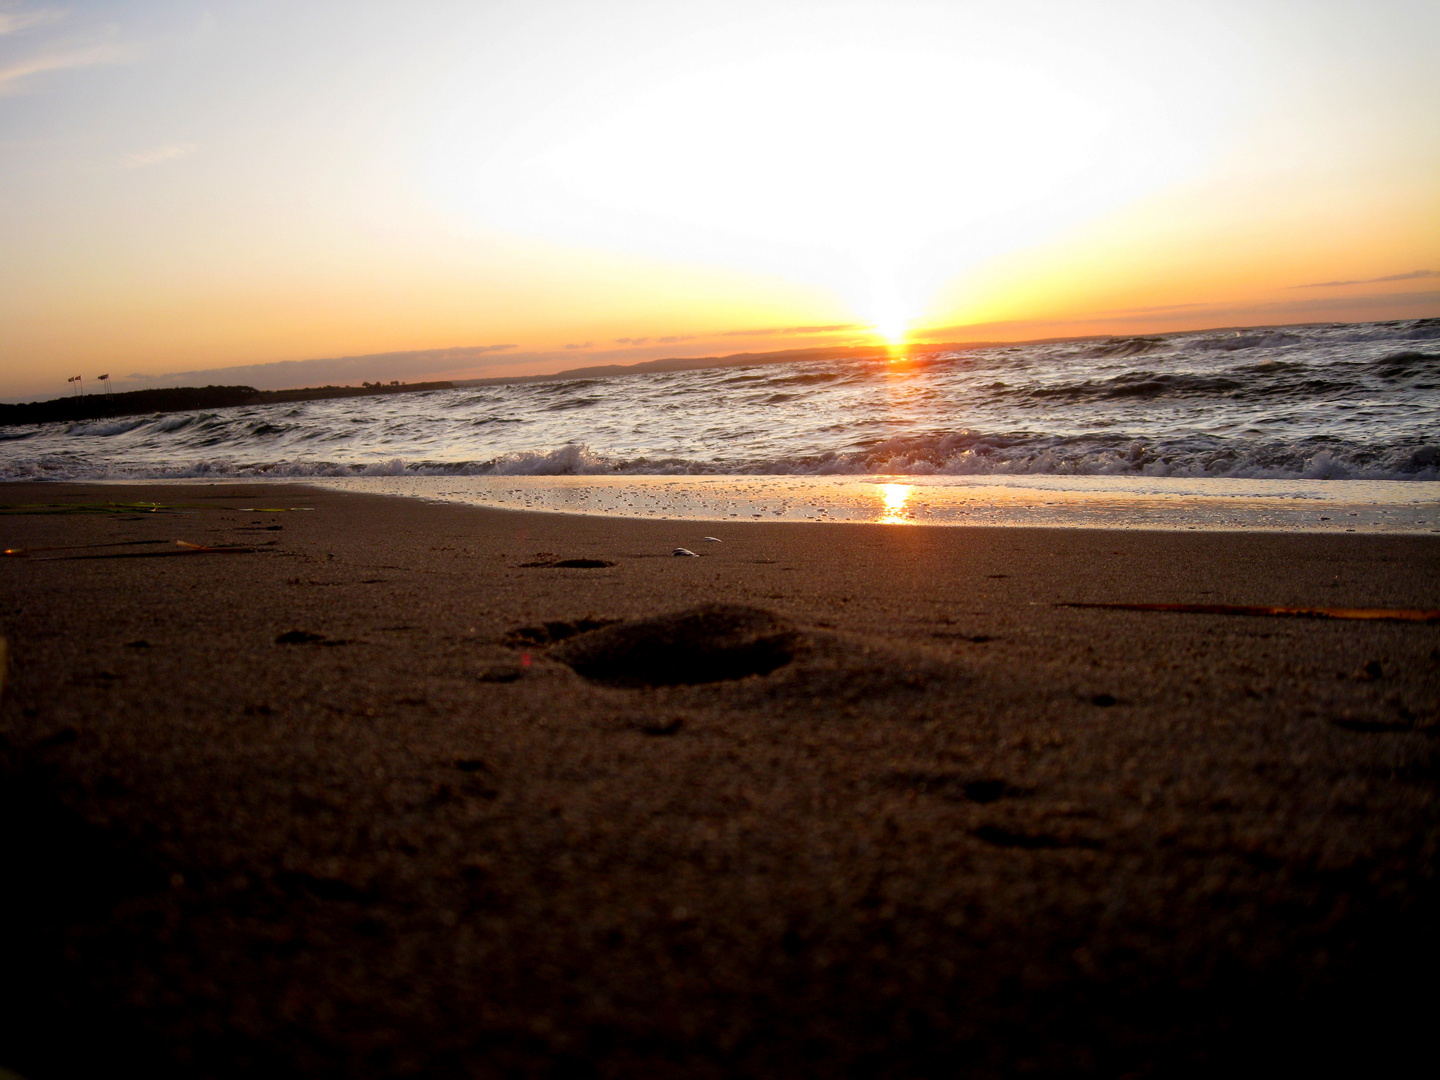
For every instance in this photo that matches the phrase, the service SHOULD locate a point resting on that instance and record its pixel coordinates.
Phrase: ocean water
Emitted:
(1257, 419)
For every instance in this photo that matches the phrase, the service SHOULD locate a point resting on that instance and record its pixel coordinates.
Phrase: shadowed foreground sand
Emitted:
(394, 794)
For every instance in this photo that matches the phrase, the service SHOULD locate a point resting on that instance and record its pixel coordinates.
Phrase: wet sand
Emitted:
(346, 805)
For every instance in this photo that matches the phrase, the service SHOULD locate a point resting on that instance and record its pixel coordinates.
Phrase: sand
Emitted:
(345, 805)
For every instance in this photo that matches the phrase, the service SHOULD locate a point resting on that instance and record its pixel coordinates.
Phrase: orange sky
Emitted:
(244, 192)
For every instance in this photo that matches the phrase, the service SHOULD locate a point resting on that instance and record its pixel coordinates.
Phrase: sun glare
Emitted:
(881, 237)
(890, 315)
(894, 331)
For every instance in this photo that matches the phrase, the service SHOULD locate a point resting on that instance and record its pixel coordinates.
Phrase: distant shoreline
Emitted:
(179, 399)
(182, 398)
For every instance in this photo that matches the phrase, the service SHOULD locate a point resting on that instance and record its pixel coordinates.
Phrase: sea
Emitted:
(1331, 427)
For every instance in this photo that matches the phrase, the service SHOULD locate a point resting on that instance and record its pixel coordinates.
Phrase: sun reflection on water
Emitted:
(895, 496)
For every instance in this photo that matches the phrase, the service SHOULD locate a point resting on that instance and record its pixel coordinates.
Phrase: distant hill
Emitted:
(184, 398)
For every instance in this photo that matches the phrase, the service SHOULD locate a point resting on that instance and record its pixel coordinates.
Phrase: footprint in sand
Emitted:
(698, 645)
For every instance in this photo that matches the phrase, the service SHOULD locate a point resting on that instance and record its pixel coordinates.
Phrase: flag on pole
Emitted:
(102, 378)
(72, 378)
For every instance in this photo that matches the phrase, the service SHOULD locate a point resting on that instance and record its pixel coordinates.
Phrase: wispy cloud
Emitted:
(1403, 305)
(156, 154)
(1152, 310)
(11, 76)
(766, 331)
(12, 22)
(833, 328)
(1411, 276)
(27, 57)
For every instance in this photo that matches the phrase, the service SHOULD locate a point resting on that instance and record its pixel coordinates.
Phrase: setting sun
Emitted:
(894, 331)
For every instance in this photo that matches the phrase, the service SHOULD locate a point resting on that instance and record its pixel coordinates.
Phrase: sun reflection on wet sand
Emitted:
(1031, 501)
(895, 496)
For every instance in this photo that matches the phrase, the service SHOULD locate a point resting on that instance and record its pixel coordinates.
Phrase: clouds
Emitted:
(769, 331)
(672, 339)
(12, 22)
(1411, 276)
(762, 332)
(786, 331)
(24, 55)
(1394, 305)
(157, 154)
(13, 73)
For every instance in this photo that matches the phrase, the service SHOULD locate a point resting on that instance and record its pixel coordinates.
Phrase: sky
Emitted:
(282, 194)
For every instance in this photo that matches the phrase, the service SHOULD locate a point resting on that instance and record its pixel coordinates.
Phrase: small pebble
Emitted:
(684, 552)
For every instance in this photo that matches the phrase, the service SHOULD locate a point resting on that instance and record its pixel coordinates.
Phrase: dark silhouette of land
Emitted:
(181, 398)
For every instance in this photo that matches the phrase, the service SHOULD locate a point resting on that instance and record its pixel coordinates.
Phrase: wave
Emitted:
(1141, 384)
(808, 378)
(1133, 346)
(1240, 341)
(941, 454)
(1343, 402)
(1268, 367)
(1400, 365)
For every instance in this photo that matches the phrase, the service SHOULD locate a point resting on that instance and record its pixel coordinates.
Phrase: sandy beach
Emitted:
(381, 787)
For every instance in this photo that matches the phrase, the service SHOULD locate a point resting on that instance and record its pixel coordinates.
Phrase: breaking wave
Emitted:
(954, 454)
(1340, 402)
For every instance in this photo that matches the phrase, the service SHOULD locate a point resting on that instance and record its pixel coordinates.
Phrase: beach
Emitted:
(366, 786)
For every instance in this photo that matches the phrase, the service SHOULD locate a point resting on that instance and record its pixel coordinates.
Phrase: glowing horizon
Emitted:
(528, 188)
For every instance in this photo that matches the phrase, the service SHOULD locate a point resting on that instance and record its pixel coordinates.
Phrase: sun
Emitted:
(895, 331)
(890, 319)
(891, 315)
